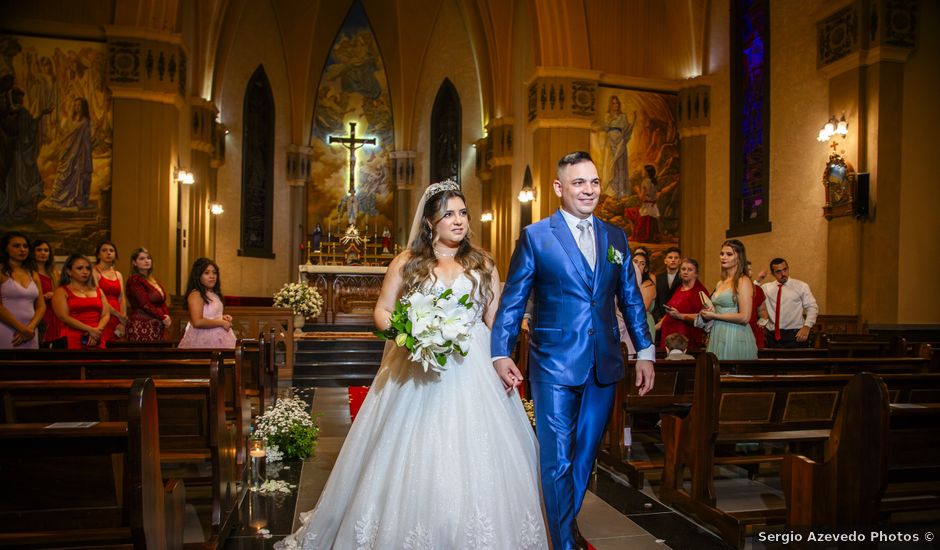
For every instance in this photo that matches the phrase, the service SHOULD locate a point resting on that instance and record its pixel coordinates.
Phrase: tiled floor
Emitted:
(614, 516)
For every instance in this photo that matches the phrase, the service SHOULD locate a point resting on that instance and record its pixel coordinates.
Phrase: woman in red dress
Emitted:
(111, 282)
(684, 305)
(150, 315)
(79, 305)
(48, 278)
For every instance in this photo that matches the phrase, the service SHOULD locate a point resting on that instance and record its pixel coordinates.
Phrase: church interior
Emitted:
(291, 141)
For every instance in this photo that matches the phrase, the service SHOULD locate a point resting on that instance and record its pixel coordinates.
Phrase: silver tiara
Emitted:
(440, 187)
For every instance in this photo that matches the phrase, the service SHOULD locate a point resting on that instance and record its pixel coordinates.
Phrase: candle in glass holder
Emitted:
(257, 453)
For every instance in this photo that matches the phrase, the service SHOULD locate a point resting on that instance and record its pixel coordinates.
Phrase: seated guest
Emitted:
(21, 304)
(80, 305)
(208, 326)
(150, 314)
(685, 305)
(111, 282)
(676, 346)
(48, 277)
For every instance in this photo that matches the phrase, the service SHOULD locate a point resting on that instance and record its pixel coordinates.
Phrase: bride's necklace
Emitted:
(444, 254)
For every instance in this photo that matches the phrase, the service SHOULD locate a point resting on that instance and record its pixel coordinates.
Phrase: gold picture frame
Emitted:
(840, 184)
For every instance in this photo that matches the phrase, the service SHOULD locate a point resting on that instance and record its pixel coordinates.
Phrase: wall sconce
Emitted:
(833, 128)
(216, 208)
(527, 194)
(486, 216)
(185, 177)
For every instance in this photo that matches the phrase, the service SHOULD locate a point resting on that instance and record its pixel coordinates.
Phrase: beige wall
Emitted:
(449, 55)
(241, 275)
(799, 107)
(919, 254)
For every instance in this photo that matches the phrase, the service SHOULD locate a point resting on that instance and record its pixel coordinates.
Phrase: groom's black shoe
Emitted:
(579, 540)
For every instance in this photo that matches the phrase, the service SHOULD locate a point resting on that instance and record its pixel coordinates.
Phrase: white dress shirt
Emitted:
(797, 305)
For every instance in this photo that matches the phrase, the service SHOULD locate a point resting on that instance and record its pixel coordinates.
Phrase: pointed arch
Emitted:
(257, 213)
(445, 134)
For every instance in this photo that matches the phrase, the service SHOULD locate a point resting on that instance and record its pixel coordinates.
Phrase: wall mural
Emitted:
(55, 139)
(353, 88)
(635, 144)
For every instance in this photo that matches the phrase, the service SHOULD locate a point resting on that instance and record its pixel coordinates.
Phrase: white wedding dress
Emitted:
(445, 461)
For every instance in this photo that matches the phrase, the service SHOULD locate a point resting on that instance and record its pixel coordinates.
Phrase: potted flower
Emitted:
(302, 299)
(287, 429)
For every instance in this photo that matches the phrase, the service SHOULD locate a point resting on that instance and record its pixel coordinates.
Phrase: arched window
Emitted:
(750, 117)
(445, 134)
(257, 168)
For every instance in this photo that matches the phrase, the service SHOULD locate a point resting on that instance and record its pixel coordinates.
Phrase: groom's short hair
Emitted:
(570, 159)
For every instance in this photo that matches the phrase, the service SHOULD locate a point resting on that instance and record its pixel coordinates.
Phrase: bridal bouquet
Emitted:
(301, 298)
(431, 327)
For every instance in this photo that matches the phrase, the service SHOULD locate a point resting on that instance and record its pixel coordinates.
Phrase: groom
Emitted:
(576, 265)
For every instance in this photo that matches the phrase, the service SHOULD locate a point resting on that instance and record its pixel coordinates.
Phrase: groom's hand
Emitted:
(644, 376)
(508, 373)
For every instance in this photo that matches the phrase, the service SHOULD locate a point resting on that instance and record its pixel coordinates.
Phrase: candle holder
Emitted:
(257, 452)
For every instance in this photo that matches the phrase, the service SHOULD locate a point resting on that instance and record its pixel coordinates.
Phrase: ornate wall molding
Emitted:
(694, 110)
(202, 118)
(146, 65)
(403, 169)
(560, 97)
(299, 159)
(861, 34)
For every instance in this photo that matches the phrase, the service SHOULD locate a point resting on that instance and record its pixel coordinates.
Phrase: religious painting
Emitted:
(354, 109)
(635, 144)
(55, 138)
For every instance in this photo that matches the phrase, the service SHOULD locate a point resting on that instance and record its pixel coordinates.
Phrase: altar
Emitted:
(349, 291)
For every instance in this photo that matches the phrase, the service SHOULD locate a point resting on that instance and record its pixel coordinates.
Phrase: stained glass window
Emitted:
(258, 168)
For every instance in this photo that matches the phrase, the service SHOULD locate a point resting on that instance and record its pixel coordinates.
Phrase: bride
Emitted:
(434, 460)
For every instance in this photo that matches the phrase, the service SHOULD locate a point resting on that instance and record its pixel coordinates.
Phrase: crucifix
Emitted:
(352, 143)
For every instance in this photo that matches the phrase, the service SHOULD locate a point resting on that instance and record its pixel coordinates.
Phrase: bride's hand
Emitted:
(508, 373)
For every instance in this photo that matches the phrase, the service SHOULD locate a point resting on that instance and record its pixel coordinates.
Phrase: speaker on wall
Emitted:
(862, 194)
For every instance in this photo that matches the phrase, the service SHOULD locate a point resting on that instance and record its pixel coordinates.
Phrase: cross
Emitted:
(352, 143)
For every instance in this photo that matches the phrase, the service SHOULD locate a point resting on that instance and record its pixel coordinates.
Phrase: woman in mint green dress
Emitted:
(731, 336)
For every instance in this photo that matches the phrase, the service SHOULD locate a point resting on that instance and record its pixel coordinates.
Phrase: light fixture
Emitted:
(486, 216)
(185, 177)
(832, 128)
(527, 194)
(216, 208)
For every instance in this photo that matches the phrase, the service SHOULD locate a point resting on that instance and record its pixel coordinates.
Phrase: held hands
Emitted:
(167, 321)
(508, 373)
(226, 322)
(707, 313)
(20, 337)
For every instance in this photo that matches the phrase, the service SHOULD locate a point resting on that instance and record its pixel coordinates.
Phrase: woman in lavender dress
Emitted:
(21, 304)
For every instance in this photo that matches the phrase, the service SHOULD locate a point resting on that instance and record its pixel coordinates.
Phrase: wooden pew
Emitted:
(882, 458)
(160, 363)
(193, 414)
(90, 486)
(672, 394)
(789, 412)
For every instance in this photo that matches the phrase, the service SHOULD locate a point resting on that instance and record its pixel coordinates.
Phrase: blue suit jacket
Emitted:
(574, 326)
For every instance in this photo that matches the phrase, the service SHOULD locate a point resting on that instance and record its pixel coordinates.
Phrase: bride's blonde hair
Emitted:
(419, 269)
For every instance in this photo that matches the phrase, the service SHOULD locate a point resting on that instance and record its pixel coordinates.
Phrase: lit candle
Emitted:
(257, 453)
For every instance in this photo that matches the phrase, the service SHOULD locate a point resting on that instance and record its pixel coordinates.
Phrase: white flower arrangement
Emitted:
(301, 298)
(288, 429)
(431, 327)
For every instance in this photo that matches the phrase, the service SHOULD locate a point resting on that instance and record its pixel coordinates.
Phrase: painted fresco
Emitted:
(353, 88)
(55, 138)
(635, 144)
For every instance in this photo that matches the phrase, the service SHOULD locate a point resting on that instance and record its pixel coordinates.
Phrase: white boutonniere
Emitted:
(614, 256)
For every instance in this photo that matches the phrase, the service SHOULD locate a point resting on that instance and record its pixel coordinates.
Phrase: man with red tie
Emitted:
(791, 309)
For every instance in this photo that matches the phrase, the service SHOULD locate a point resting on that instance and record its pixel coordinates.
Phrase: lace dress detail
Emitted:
(433, 461)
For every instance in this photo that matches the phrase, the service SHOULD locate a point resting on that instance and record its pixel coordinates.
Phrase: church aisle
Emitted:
(614, 516)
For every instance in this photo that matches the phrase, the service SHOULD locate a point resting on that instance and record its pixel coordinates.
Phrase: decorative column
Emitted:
(485, 175)
(694, 119)
(196, 219)
(147, 78)
(299, 160)
(561, 107)
(502, 198)
(403, 178)
(862, 48)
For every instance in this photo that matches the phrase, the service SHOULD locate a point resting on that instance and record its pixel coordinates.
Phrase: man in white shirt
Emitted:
(791, 309)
